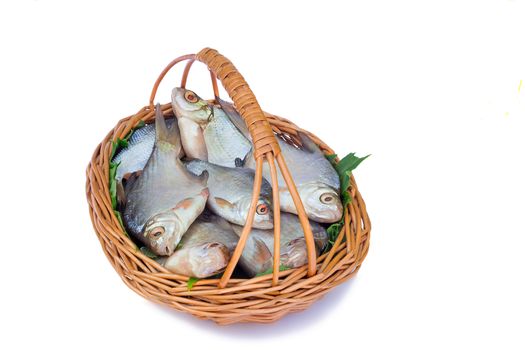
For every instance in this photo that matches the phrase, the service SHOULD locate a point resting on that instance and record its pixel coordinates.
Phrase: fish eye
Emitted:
(262, 209)
(156, 232)
(190, 97)
(326, 198)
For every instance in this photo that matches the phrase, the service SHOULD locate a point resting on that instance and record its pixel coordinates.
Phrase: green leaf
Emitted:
(139, 125)
(113, 183)
(122, 143)
(334, 229)
(331, 158)
(349, 163)
(270, 270)
(113, 149)
(346, 197)
(146, 251)
(344, 168)
(345, 185)
(191, 282)
(119, 218)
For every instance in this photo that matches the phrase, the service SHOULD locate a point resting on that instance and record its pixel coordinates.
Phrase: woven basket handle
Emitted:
(244, 101)
(266, 148)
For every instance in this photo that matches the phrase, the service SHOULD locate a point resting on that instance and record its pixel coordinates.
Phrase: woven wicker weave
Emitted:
(261, 299)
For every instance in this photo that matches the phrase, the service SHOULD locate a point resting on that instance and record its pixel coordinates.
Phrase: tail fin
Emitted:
(308, 144)
(163, 134)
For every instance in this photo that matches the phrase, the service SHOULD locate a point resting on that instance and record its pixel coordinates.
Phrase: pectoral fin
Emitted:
(223, 203)
(163, 134)
(263, 253)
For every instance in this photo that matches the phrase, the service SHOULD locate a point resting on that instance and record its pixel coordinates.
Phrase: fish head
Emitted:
(202, 260)
(208, 259)
(294, 254)
(263, 217)
(321, 202)
(164, 231)
(187, 104)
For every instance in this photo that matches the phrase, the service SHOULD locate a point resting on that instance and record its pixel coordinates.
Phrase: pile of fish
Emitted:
(184, 188)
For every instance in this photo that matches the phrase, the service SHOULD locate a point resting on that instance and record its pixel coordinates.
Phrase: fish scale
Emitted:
(140, 145)
(224, 141)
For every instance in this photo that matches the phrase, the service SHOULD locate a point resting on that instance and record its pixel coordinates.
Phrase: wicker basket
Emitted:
(261, 299)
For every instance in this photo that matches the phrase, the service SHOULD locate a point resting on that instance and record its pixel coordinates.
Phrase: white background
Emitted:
(430, 89)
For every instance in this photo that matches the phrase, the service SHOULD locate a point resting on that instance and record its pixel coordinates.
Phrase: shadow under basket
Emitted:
(229, 300)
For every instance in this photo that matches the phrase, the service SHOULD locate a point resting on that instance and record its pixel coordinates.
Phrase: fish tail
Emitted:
(165, 134)
(308, 144)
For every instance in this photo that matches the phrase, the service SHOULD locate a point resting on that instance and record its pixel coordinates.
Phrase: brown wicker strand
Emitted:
(163, 74)
(276, 219)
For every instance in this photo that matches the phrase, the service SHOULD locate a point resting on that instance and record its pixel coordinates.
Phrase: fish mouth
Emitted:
(323, 212)
(326, 216)
(168, 245)
(169, 250)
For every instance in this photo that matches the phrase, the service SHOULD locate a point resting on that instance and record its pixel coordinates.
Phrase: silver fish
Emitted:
(224, 142)
(204, 250)
(135, 156)
(231, 193)
(257, 256)
(315, 178)
(163, 202)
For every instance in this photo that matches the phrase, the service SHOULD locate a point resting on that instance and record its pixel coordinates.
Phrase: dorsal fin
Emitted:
(170, 136)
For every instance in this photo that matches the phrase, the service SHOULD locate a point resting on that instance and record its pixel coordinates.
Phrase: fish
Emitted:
(231, 193)
(134, 157)
(166, 198)
(257, 256)
(316, 179)
(224, 142)
(205, 250)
